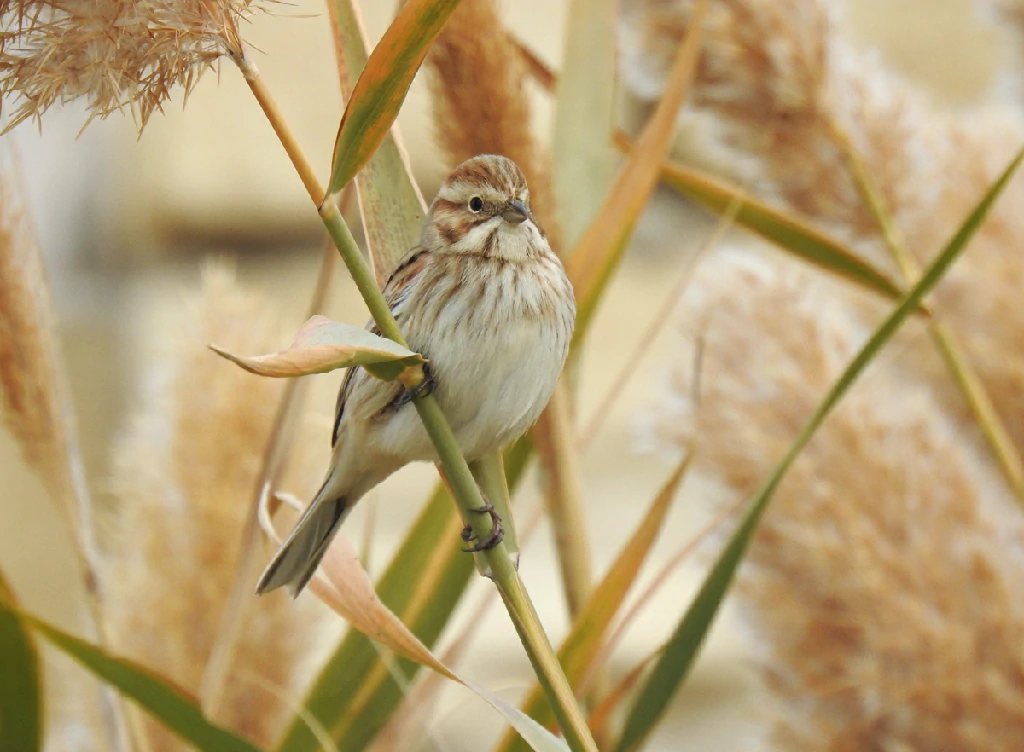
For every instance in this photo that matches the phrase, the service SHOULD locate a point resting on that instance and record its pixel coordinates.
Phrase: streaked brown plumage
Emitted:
(485, 299)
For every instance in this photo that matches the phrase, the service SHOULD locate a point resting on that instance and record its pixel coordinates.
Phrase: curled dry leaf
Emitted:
(322, 345)
(348, 591)
(343, 585)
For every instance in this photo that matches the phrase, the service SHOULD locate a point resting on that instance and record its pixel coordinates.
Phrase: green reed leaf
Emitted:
(591, 264)
(583, 164)
(383, 86)
(390, 203)
(590, 627)
(20, 684)
(166, 702)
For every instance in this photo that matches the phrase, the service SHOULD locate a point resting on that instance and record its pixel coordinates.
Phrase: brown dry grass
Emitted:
(35, 407)
(183, 479)
(113, 54)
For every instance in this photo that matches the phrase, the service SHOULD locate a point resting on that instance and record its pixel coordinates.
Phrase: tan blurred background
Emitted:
(127, 222)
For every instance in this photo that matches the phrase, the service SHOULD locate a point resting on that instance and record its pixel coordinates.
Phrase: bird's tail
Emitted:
(296, 561)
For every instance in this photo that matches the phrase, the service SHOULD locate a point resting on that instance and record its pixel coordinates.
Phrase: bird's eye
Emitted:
(476, 204)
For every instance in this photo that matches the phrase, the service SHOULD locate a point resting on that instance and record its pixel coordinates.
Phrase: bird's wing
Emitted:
(362, 396)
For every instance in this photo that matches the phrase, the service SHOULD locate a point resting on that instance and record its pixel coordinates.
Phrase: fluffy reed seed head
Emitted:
(184, 477)
(481, 104)
(29, 394)
(777, 77)
(110, 52)
(883, 583)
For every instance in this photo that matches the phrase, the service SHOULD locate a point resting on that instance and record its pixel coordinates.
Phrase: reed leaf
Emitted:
(590, 627)
(322, 345)
(597, 255)
(354, 695)
(788, 232)
(383, 85)
(21, 712)
(582, 162)
(171, 705)
(390, 203)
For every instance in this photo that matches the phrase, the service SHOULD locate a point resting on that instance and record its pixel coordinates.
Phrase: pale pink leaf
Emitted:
(322, 345)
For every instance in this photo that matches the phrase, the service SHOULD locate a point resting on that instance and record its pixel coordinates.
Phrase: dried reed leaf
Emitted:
(481, 105)
(182, 476)
(322, 345)
(344, 586)
(590, 627)
(348, 590)
(113, 54)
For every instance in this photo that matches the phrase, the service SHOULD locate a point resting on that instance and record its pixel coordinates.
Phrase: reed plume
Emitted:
(29, 380)
(480, 101)
(882, 585)
(781, 81)
(183, 477)
(113, 54)
(35, 406)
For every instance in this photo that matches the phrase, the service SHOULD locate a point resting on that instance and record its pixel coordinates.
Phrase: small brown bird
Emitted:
(487, 302)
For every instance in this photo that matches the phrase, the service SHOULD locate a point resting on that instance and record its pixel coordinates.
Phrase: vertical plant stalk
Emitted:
(556, 448)
(466, 492)
(218, 666)
(285, 134)
(36, 405)
(121, 731)
(489, 474)
(219, 663)
(956, 360)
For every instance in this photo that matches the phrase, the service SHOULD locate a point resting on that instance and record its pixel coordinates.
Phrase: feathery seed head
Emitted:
(112, 53)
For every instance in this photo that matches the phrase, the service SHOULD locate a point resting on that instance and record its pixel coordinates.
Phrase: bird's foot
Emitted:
(422, 389)
(492, 539)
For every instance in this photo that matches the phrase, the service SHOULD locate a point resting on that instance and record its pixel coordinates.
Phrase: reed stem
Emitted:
(465, 490)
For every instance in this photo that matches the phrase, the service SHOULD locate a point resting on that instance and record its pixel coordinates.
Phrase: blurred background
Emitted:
(126, 224)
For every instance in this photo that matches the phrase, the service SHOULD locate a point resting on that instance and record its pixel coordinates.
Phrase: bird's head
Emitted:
(483, 207)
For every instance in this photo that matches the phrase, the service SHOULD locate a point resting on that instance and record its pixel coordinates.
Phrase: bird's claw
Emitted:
(493, 538)
(422, 389)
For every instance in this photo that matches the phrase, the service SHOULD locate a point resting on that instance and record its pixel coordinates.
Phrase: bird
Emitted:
(488, 304)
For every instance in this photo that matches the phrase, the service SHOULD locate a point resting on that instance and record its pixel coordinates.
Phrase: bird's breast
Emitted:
(496, 362)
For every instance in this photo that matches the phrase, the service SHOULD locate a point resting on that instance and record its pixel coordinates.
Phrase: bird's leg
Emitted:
(422, 389)
(492, 539)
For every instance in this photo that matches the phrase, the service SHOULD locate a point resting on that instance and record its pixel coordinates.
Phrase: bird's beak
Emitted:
(516, 212)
